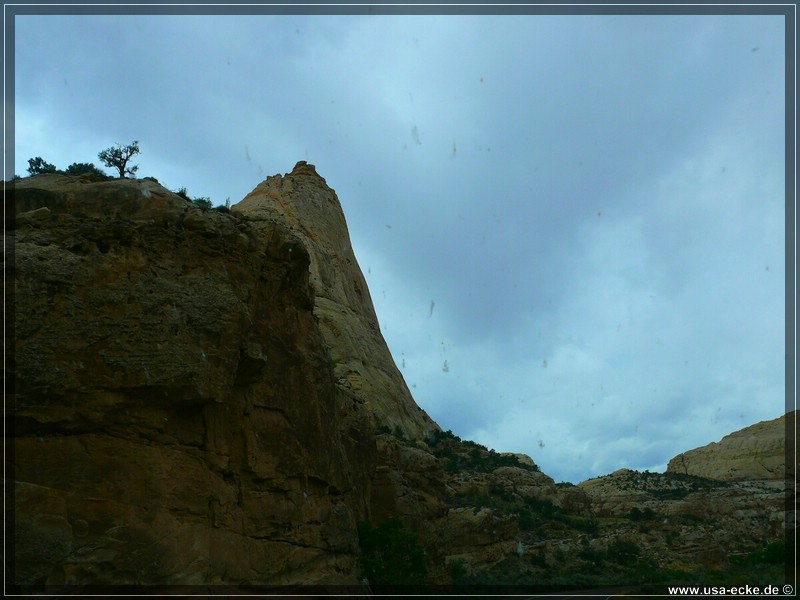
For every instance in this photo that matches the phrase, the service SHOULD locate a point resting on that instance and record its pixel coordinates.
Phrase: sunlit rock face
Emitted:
(754, 453)
(176, 417)
(302, 202)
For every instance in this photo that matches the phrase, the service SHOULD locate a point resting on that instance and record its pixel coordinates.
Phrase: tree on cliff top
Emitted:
(83, 169)
(117, 157)
(38, 166)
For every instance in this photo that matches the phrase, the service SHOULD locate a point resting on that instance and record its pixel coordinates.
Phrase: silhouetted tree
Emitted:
(38, 166)
(117, 157)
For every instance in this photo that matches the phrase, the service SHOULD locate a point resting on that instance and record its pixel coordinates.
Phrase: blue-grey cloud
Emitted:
(593, 204)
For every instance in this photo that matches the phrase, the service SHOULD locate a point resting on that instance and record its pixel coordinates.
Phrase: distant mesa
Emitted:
(757, 452)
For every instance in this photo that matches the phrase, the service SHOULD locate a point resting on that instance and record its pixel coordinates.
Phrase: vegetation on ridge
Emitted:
(459, 454)
(116, 157)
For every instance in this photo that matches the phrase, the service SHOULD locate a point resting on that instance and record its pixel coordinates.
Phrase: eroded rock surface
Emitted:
(176, 417)
(691, 519)
(750, 454)
(302, 202)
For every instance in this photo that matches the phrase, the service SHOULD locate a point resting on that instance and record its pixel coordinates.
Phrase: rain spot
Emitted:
(544, 363)
(445, 367)
(431, 313)
(415, 135)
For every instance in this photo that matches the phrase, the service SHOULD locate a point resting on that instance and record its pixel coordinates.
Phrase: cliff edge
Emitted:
(757, 452)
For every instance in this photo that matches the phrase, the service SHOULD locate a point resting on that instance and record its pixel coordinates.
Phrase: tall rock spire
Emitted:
(304, 202)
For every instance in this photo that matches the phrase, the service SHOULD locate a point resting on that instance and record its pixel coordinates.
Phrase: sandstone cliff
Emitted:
(204, 397)
(754, 453)
(176, 417)
(302, 202)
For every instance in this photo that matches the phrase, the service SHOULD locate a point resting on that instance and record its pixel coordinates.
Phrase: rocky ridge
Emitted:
(205, 398)
(754, 453)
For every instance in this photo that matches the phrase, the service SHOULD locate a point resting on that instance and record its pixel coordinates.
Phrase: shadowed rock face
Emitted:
(176, 417)
(302, 202)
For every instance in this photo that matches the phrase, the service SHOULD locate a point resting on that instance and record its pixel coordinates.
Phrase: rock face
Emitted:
(750, 454)
(725, 498)
(176, 417)
(302, 202)
(204, 397)
(691, 519)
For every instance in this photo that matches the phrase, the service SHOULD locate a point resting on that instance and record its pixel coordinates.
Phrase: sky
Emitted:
(572, 226)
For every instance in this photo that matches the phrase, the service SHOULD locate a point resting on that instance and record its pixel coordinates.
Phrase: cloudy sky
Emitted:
(572, 226)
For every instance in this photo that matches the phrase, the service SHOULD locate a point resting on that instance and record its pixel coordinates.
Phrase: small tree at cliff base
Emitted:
(117, 157)
(391, 555)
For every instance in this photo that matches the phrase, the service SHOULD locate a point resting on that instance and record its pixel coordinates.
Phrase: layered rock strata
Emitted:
(757, 452)
(176, 417)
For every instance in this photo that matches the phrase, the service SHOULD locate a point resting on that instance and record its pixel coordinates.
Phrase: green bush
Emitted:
(204, 203)
(624, 552)
(390, 554)
(527, 522)
(773, 554)
(461, 454)
(380, 428)
(38, 166)
(638, 514)
(83, 169)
